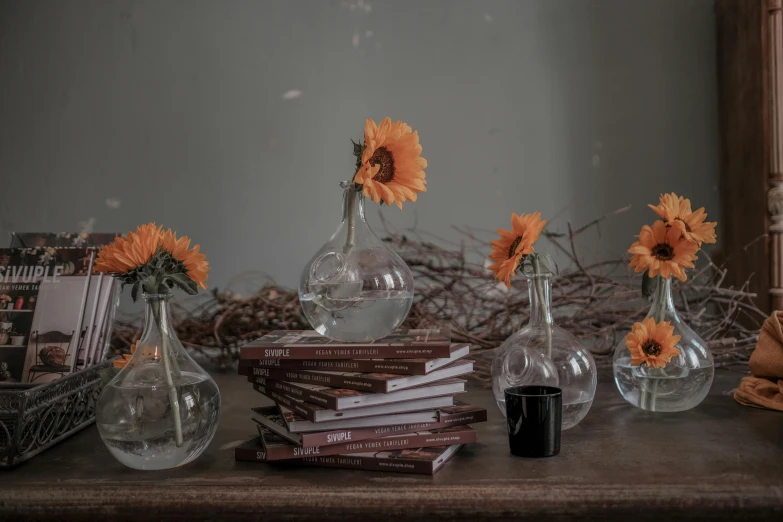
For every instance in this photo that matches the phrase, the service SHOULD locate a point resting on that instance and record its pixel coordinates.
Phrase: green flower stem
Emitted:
(167, 368)
(542, 303)
(658, 314)
(350, 238)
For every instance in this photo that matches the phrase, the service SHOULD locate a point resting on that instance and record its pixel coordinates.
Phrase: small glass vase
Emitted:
(355, 289)
(685, 380)
(161, 410)
(544, 354)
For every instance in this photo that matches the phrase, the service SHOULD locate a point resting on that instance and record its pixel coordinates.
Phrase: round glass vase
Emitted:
(685, 380)
(161, 410)
(355, 289)
(544, 354)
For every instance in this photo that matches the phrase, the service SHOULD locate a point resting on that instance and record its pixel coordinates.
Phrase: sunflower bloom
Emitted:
(652, 343)
(676, 212)
(515, 244)
(663, 251)
(125, 254)
(392, 168)
(195, 262)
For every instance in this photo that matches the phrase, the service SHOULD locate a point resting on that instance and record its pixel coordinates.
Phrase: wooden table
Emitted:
(720, 461)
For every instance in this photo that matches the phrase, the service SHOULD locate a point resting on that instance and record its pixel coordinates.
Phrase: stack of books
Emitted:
(387, 405)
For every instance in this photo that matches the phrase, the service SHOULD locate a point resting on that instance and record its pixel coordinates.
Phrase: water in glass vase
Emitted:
(365, 317)
(139, 430)
(162, 409)
(684, 380)
(355, 289)
(655, 389)
(544, 354)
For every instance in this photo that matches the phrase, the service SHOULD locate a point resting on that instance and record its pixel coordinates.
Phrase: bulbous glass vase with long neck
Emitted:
(685, 380)
(355, 289)
(544, 354)
(161, 410)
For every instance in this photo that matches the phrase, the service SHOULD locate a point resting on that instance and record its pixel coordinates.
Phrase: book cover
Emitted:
(457, 413)
(372, 382)
(395, 366)
(344, 399)
(278, 448)
(272, 418)
(53, 312)
(308, 344)
(425, 461)
(318, 414)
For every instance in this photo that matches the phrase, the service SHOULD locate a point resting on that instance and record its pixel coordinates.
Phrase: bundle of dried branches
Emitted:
(595, 301)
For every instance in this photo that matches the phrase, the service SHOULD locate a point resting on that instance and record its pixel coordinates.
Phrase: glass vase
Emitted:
(544, 354)
(355, 289)
(685, 380)
(161, 410)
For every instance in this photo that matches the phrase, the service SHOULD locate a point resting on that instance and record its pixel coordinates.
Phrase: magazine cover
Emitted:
(54, 312)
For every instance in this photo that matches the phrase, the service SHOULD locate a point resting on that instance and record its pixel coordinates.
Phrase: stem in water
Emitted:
(167, 370)
(350, 238)
(541, 302)
(659, 314)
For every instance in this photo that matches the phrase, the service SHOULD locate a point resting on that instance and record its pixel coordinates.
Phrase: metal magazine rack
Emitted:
(34, 418)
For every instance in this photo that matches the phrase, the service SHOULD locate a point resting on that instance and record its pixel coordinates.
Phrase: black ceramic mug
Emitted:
(534, 415)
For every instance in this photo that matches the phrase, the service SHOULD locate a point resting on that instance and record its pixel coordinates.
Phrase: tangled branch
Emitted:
(596, 301)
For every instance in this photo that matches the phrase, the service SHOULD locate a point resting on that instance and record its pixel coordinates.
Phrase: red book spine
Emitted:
(458, 418)
(415, 440)
(323, 379)
(400, 366)
(371, 464)
(327, 438)
(294, 392)
(298, 407)
(344, 461)
(352, 352)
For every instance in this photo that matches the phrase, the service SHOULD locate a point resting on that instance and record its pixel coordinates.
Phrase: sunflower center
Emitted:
(687, 226)
(651, 348)
(663, 251)
(513, 248)
(383, 157)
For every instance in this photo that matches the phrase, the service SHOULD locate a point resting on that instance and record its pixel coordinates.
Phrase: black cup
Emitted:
(534, 415)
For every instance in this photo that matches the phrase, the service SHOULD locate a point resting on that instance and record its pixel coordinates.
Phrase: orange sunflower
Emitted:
(663, 251)
(128, 253)
(652, 343)
(391, 168)
(515, 244)
(676, 211)
(195, 262)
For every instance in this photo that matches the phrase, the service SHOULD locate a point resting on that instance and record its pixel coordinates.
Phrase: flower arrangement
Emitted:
(389, 166)
(515, 248)
(665, 249)
(156, 261)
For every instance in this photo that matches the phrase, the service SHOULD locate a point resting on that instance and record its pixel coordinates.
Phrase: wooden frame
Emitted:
(750, 75)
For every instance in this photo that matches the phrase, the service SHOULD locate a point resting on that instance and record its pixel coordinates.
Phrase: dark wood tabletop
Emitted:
(719, 461)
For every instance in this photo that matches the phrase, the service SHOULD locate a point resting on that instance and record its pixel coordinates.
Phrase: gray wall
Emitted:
(123, 112)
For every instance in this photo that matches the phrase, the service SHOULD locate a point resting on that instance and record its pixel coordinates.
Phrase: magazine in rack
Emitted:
(55, 311)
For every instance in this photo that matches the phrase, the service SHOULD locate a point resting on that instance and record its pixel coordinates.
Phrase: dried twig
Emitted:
(597, 302)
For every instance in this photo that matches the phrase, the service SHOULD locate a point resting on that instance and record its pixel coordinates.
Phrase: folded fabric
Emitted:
(764, 389)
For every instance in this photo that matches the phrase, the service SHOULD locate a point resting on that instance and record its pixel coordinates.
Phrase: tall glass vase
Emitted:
(161, 410)
(355, 289)
(544, 354)
(685, 380)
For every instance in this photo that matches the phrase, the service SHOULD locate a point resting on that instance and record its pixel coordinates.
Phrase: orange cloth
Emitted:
(764, 389)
